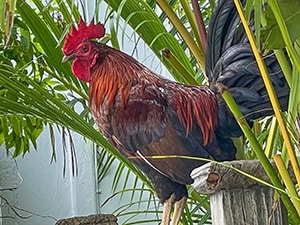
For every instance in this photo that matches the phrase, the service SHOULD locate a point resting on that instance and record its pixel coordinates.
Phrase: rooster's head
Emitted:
(79, 48)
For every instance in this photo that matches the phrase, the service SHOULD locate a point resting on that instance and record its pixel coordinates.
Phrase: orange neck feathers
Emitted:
(196, 104)
(115, 75)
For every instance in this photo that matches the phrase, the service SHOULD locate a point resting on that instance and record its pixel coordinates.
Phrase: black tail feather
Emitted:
(230, 61)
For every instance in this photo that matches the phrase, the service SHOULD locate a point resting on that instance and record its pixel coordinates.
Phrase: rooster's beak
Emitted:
(68, 57)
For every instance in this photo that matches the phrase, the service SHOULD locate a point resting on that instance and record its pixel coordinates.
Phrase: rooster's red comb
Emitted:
(82, 33)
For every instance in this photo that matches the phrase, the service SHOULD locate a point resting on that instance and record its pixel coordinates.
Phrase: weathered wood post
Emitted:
(236, 199)
(98, 219)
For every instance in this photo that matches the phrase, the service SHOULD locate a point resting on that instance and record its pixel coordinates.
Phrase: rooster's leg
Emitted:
(168, 204)
(178, 209)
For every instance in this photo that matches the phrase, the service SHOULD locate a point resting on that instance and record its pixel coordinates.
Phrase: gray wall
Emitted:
(40, 193)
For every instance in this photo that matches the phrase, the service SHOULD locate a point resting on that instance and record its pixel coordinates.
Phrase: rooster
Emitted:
(143, 114)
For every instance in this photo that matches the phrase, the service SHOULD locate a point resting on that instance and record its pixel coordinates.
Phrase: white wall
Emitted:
(41, 195)
(44, 194)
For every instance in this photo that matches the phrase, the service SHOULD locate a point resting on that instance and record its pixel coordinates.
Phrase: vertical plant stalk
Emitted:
(271, 93)
(293, 107)
(192, 20)
(284, 32)
(284, 65)
(259, 152)
(7, 9)
(189, 79)
(196, 50)
(200, 23)
(287, 181)
(272, 138)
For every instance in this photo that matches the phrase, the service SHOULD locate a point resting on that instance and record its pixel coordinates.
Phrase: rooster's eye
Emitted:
(84, 48)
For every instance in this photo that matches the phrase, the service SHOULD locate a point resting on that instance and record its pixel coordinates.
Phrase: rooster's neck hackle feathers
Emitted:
(196, 105)
(114, 77)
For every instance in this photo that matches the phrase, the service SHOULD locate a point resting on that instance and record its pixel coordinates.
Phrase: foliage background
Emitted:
(39, 92)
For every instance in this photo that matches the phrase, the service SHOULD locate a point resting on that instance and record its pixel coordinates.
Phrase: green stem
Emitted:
(271, 92)
(285, 33)
(194, 48)
(188, 78)
(192, 20)
(287, 181)
(272, 139)
(258, 151)
(284, 65)
(200, 23)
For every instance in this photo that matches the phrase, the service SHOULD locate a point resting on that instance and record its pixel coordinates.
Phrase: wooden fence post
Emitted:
(98, 219)
(236, 199)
